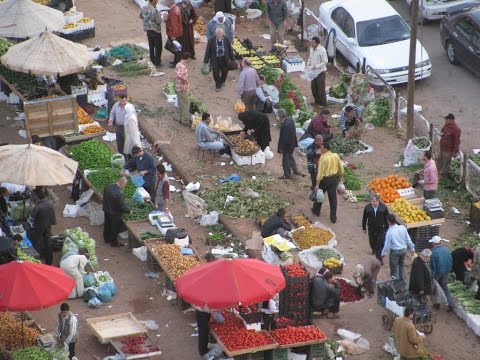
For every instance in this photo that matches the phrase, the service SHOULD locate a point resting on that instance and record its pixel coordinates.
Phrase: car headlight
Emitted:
(382, 71)
(422, 64)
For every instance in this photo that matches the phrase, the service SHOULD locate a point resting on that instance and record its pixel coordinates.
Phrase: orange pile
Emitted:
(387, 187)
(83, 117)
(93, 130)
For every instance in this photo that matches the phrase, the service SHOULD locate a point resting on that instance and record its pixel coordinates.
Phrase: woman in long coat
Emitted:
(259, 123)
(189, 18)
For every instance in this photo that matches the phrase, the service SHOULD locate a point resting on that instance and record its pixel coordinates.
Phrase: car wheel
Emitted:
(452, 57)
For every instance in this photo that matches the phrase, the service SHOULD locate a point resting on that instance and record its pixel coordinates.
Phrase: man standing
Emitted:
(113, 207)
(41, 219)
(441, 265)
(349, 117)
(407, 341)
(430, 176)
(219, 53)
(420, 276)
(144, 164)
(182, 87)
(67, 329)
(117, 118)
(287, 142)
(449, 144)
(152, 25)
(375, 217)
(330, 170)
(174, 28)
(277, 13)
(163, 189)
(319, 125)
(313, 154)
(247, 85)
(397, 241)
(317, 62)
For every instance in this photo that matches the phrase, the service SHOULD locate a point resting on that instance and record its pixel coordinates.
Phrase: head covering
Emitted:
(426, 252)
(437, 240)
(358, 271)
(219, 15)
(129, 110)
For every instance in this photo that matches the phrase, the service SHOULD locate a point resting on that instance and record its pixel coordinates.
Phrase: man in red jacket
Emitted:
(173, 25)
(449, 144)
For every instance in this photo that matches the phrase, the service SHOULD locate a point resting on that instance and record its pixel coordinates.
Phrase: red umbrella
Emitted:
(230, 282)
(25, 286)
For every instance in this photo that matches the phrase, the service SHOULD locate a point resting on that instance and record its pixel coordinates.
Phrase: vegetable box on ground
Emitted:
(115, 326)
(314, 235)
(136, 347)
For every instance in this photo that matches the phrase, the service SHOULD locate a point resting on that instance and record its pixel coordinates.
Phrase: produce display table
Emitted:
(137, 227)
(115, 326)
(72, 138)
(419, 203)
(148, 346)
(229, 353)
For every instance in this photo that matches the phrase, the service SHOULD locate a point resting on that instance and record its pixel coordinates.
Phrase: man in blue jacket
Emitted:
(441, 265)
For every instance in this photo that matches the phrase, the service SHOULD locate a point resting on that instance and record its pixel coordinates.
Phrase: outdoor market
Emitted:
(153, 205)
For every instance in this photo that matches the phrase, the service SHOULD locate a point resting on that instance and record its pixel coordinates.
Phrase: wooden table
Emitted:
(232, 353)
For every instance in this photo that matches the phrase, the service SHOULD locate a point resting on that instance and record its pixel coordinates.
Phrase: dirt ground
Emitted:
(117, 20)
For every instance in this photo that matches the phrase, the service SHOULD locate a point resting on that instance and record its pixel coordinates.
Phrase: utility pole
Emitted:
(411, 68)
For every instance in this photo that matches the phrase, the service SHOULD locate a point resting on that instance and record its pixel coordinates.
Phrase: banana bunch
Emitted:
(239, 49)
(271, 59)
(257, 63)
(70, 26)
(332, 263)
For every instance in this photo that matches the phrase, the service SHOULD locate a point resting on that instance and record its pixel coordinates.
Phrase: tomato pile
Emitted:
(234, 336)
(348, 293)
(295, 270)
(292, 335)
(137, 345)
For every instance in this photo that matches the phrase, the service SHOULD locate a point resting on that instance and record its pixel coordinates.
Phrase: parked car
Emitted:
(373, 30)
(434, 9)
(460, 36)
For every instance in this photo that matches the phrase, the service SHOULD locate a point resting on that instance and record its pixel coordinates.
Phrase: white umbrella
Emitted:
(35, 165)
(25, 18)
(47, 54)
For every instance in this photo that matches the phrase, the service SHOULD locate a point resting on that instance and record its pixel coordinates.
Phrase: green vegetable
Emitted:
(351, 180)
(421, 142)
(104, 177)
(196, 106)
(271, 74)
(83, 240)
(32, 353)
(288, 105)
(132, 68)
(455, 171)
(285, 87)
(92, 154)
(302, 117)
(150, 235)
(346, 146)
(170, 88)
(339, 91)
(377, 112)
(104, 278)
(243, 207)
(4, 45)
(25, 83)
(20, 211)
(327, 253)
(22, 256)
(139, 211)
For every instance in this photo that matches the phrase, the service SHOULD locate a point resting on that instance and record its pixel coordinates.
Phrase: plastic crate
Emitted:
(259, 355)
(111, 92)
(79, 35)
(316, 351)
(276, 354)
(295, 280)
(424, 232)
(152, 264)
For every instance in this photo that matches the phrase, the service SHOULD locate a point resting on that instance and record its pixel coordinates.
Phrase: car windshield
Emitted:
(382, 31)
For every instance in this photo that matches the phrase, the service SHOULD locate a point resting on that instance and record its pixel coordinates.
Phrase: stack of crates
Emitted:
(316, 352)
(421, 235)
(295, 299)
(276, 354)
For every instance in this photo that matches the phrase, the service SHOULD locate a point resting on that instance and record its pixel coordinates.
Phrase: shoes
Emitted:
(333, 221)
(314, 213)
(117, 244)
(284, 177)
(218, 89)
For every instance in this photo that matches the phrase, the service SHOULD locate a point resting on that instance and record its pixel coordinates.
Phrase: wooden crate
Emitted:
(117, 344)
(229, 353)
(69, 139)
(417, 201)
(115, 326)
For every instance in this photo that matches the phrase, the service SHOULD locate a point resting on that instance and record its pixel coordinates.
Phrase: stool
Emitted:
(203, 150)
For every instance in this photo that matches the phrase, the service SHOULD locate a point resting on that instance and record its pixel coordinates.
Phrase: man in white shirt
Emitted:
(317, 62)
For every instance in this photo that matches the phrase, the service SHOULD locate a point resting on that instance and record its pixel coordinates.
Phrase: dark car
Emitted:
(460, 36)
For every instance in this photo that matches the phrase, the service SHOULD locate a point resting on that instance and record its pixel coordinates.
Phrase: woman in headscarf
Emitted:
(189, 18)
(132, 133)
(365, 274)
(223, 22)
(259, 123)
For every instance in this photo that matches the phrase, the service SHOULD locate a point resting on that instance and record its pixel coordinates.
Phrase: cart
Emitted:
(393, 297)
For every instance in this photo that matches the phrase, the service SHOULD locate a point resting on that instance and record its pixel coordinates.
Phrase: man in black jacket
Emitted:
(8, 248)
(287, 142)
(219, 54)
(114, 206)
(375, 217)
(276, 224)
(420, 276)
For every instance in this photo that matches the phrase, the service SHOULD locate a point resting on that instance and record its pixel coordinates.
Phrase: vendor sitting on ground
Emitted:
(8, 248)
(259, 124)
(208, 138)
(349, 119)
(276, 224)
(325, 294)
(74, 264)
(365, 274)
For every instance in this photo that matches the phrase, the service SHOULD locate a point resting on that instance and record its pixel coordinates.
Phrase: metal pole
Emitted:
(411, 68)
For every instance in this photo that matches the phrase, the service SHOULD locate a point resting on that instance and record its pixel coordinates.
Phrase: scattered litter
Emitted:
(157, 73)
(173, 188)
(194, 334)
(188, 310)
(254, 177)
(109, 306)
(468, 222)
(193, 325)
(151, 298)
(158, 335)
(106, 259)
(476, 151)
(20, 116)
(22, 133)
(117, 62)
(192, 186)
(397, 164)
(168, 167)
(265, 36)
(455, 210)
(109, 137)
(222, 164)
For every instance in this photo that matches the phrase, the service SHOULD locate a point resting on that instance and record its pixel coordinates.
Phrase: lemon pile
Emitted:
(239, 49)
(70, 26)
(271, 59)
(332, 263)
(257, 63)
(408, 212)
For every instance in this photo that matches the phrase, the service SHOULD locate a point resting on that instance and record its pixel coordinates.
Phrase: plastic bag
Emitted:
(248, 192)
(412, 154)
(85, 197)
(69, 245)
(94, 213)
(341, 188)
(268, 153)
(104, 294)
(94, 303)
(205, 69)
(140, 253)
(112, 287)
(209, 219)
(88, 280)
(304, 144)
(317, 196)
(138, 180)
(117, 161)
(239, 106)
(90, 293)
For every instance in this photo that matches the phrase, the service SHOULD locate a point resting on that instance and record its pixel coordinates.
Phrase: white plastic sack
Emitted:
(268, 153)
(209, 219)
(94, 213)
(70, 211)
(311, 261)
(84, 197)
(412, 154)
(305, 143)
(140, 253)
